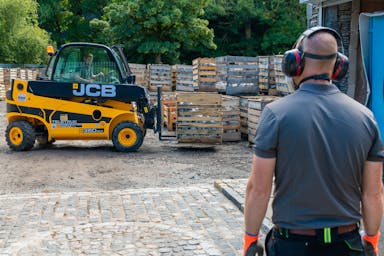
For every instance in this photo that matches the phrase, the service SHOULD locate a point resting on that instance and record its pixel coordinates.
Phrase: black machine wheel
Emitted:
(20, 136)
(127, 137)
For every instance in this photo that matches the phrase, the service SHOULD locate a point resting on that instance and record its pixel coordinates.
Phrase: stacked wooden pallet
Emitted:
(255, 106)
(231, 118)
(237, 75)
(9, 75)
(263, 74)
(243, 103)
(140, 71)
(183, 78)
(160, 75)
(282, 87)
(199, 118)
(30, 75)
(22, 73)
(204, 74)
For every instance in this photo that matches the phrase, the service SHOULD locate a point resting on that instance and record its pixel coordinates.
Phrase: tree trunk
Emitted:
(158, 58)
(248, 30)
(248, 36)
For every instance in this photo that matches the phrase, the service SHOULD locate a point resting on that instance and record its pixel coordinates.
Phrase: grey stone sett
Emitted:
(187, 221)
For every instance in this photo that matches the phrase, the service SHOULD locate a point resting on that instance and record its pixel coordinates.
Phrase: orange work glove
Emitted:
(252, 246)
(371, 244)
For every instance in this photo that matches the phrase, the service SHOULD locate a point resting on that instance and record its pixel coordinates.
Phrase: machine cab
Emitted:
(89, 63)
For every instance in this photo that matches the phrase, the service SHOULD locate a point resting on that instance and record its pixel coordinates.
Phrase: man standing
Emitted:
(324, 151)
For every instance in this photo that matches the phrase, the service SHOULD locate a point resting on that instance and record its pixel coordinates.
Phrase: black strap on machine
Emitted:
(316, 77)
(320, 57)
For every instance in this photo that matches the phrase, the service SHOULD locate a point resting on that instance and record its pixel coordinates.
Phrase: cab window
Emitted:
(86, 64)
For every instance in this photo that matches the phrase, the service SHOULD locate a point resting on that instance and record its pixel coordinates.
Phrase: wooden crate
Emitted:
(140, 71)
(243, 106)
(199, 118)
(204, 74)
(183, 77)
(9, 75)
(282, 87)
(272, 77)
(169, 115)
(255, 106)
(263, 74)
(160, 75)
(231, 118)
(30, 74)
(168, 100)
(237, 75)
(2, 84)
(22, 73)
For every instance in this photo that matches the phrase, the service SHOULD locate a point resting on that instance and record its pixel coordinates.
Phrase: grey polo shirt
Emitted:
(321, 139)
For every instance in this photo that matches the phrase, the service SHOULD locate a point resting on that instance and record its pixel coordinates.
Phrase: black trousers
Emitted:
(280, 243)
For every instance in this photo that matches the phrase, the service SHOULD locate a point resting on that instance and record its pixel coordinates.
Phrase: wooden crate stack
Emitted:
(183, 77)
(204, 74)
(168, 100)
(2, 85)
(140, 71)
(237, 75)
(30, 75)
(9, 75)
(263, 74)
(272, 77)
(243, 102)
(282, 87)
(199, 118)
(255, 106)
(231, 118)
(160, 75)
(22, 74)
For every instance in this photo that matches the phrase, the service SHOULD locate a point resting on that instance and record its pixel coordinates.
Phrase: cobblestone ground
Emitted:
(187, 221)
(234, 190)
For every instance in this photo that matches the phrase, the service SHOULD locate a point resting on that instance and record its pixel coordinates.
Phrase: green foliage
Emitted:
(173, 31)
(156, 30)
(287, 21)
(251, 27)
(21, 41)
(68, 20)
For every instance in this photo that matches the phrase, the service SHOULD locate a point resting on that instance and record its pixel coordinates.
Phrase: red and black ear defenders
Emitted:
(293, 60)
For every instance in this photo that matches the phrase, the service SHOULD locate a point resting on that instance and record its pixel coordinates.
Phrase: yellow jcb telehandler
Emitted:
(87, 93)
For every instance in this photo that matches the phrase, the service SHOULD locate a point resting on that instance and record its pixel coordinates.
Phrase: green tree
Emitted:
(55, 17)
(156, 30)
(287, 20)
(21, 40)
(68, 20)
(254, 27)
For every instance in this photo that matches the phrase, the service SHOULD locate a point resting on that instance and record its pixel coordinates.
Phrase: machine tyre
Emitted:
(127, 137)
(20, 135)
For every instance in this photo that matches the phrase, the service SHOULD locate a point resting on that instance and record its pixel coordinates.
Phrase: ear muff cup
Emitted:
(341, 67)
(293, 60)
(293, 63)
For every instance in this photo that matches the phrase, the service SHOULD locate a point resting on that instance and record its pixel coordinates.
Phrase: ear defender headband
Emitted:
(293, 60)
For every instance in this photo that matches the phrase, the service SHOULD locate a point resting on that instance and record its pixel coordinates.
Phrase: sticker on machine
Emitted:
(92, 130)
(21, 97)
(66, 123)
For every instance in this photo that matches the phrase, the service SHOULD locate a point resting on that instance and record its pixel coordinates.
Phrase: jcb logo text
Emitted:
(94, 90)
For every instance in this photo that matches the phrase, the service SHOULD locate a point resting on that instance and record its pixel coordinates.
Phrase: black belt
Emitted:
(324, 234)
